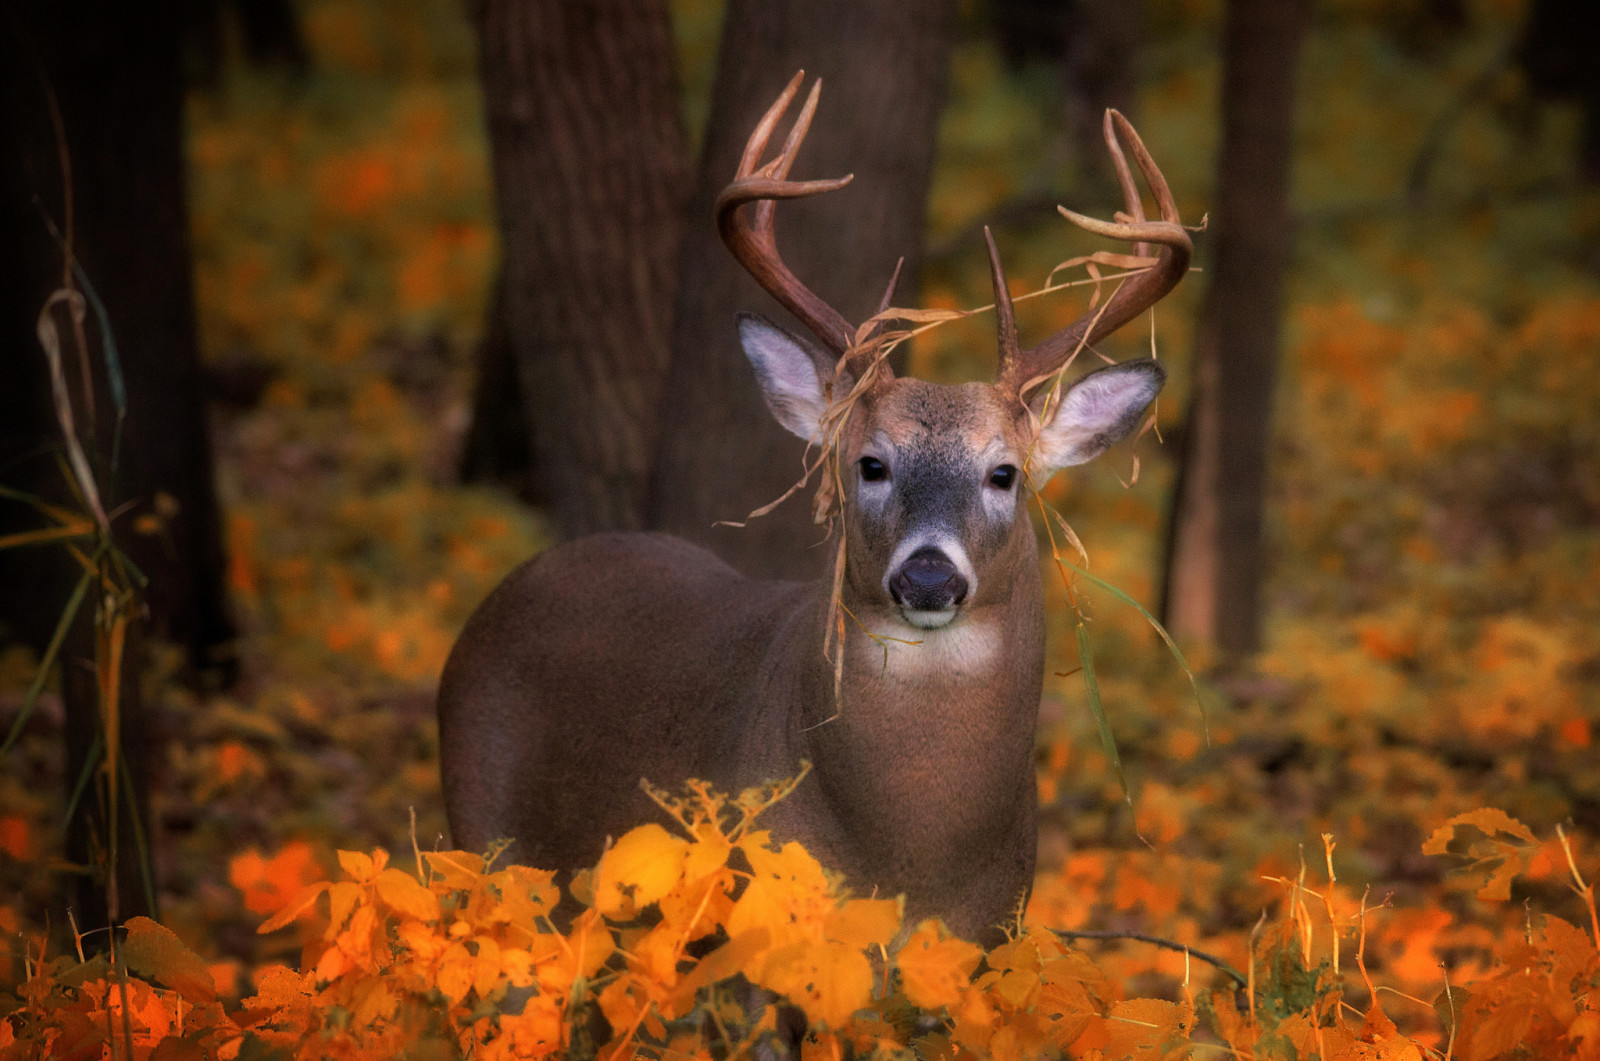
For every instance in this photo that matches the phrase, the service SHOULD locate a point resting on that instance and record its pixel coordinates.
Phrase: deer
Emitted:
(627, 656)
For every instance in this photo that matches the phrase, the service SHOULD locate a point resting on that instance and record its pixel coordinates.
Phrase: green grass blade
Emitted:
(1108, 741)
(142, 849)
(47, 660)
(1194, 683)
(91, 763)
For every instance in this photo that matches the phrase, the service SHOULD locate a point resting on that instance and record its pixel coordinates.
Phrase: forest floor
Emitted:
(1433, 643)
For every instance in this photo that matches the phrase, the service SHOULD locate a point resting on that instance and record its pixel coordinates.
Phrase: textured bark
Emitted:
(113, 71)
(883, 63)
(1216, 558)
(590, 175)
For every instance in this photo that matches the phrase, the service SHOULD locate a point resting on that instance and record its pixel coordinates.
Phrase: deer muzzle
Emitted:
(928, 587)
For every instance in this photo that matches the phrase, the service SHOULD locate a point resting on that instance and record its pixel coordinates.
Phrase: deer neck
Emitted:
(930, 744)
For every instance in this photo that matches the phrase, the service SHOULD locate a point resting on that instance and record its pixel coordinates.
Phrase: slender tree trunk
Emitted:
(111, 71)
(883, 63)
(1215, 561)
(590, 174)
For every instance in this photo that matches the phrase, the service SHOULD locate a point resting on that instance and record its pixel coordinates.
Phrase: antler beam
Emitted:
(1021, 370)
(751, 238)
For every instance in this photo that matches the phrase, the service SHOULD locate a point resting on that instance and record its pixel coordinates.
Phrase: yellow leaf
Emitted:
(373, 1002)
(862, 923)
(1066, 1009)
(1147, 1027)
(792, 863)
(739, 953)
(641, 868)
(456, 971)
(456, 870)
(1015, 988)
(706, 855)
(156, 953)
(764, 904)
(356, 865)
(487, 973)
(828, 980)
(934, 967)
(406, 897)
(342, 898)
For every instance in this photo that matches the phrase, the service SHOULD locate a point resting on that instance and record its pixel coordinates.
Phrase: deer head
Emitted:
(934, 478)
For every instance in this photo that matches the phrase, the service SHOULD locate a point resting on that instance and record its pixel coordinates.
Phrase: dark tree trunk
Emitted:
(590, 178)
(883, 64)
(1557, 54)
(113, 72)
(498, 447)
(1215, 562)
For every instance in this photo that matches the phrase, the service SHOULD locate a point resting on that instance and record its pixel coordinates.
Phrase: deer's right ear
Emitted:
(787, 372)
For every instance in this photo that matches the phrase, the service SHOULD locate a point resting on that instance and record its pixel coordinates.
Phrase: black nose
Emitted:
(928, 581)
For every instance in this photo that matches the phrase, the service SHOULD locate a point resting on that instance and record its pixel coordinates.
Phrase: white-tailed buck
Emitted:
(628, 656)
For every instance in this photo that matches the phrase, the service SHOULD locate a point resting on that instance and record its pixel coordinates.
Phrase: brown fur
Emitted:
(624, 656)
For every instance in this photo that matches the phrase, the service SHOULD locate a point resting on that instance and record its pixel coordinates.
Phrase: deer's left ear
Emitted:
(1098, 411)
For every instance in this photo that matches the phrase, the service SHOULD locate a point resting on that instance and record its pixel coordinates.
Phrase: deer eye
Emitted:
(1003, 477)
(872, 469)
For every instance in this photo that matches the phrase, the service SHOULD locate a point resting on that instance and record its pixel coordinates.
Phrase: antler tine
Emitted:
(756, 146)
(1137, 292)
(753, 241)
(1130, 190)
(1005, 316)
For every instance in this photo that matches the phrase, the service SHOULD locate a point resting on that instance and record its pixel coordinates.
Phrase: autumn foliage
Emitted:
(707, 941)
(1433, 643)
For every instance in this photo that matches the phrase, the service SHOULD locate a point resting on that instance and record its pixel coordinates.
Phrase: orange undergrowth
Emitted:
(707, 944)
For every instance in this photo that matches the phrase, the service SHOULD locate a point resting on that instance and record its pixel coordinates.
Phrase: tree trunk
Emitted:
(112, 73)
(498, 447)
(590, 177)
(1215, 558)
(883, 63)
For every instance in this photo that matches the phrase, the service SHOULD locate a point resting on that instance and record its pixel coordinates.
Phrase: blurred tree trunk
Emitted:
(1093, 45)
(112, 73)
(590, 176)
(883, 63)
(1556, 53)
(498, 447)
(1215, 560)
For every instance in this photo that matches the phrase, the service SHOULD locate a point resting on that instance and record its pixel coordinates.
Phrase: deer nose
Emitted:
(928, 581)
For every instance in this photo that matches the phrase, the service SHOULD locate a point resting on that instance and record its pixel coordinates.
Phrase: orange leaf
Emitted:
(268, 883)
(1491, 821)
(293, 909)
(935, 967)
(156, 953)
(1146, 1027)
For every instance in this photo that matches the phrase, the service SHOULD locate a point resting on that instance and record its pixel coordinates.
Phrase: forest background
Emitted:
(1430, 640)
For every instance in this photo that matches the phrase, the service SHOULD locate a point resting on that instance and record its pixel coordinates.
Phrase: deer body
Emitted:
(927, 758)
(629, 656)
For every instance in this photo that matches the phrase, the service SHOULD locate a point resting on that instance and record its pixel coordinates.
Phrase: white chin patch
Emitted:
(928, 620)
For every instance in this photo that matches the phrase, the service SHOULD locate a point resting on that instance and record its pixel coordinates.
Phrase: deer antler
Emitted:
(752, 240)
(1021, 370)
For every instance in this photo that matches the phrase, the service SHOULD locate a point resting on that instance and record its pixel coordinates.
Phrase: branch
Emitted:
(1211, 959)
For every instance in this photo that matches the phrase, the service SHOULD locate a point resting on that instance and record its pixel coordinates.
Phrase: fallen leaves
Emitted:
(688, 954)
